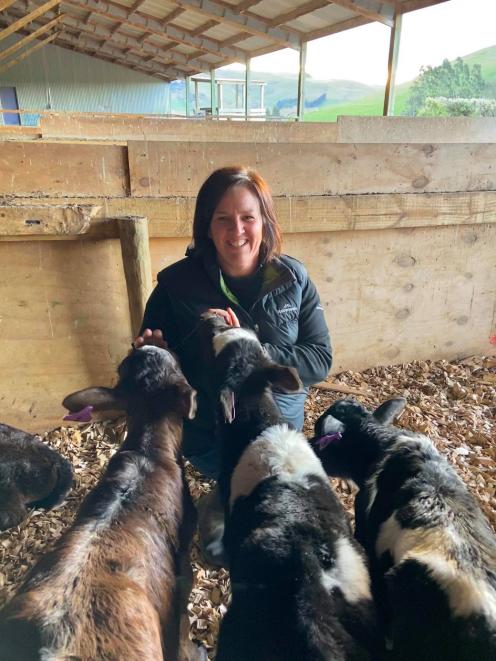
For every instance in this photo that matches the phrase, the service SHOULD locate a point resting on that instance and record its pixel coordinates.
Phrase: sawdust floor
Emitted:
(454, 403)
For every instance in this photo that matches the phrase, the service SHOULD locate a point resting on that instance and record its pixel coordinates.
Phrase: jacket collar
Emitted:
(276, 273)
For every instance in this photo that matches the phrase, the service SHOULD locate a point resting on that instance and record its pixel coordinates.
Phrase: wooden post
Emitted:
(394, 49)
(247, 86)
(135, 249)
(301, 82)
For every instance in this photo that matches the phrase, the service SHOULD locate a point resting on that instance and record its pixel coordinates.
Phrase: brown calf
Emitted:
(118, 580)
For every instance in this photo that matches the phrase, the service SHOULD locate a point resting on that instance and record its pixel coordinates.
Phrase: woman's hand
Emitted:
(155, 338)
(228, 315)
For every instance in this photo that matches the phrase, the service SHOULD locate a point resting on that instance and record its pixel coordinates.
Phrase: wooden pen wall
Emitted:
(399, 238)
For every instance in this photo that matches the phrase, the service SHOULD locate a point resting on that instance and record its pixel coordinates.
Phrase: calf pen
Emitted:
(397, 236)
(452, 402)
(396, 224)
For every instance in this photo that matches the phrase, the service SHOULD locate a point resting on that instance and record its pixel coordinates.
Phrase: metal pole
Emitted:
(186, 91)
(247, 85)
(300, 111)
(394, 49)
(213, 101)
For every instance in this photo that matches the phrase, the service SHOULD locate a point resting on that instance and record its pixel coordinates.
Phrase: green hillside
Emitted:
(330, 97)
(372, 104)
(367, 106)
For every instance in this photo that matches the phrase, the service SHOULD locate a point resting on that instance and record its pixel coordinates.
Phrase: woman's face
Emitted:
(236, 230)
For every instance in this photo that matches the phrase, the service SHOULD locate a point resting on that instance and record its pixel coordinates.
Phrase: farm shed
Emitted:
(396, 223)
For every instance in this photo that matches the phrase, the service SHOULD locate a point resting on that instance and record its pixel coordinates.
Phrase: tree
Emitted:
(450, 80)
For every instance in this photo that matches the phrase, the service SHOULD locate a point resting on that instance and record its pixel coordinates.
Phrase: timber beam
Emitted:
(155, 26)
(27, 19)
(368, 9)
(254, 25)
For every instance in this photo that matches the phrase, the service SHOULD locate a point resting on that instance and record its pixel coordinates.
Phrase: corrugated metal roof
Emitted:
(193, 36)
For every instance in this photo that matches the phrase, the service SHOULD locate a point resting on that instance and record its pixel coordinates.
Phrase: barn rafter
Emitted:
(173, 39)
(126, 43)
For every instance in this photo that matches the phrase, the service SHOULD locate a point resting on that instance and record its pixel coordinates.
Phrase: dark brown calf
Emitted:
(32, 475)
(118, 580)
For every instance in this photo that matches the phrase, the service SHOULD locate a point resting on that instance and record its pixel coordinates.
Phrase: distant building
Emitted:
(230, 97)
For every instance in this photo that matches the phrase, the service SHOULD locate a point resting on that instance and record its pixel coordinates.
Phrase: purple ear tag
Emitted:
(322, 442)
(84, 415)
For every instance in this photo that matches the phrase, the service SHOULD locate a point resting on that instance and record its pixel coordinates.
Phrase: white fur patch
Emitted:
(349, 573)
(467, 593)
(232, 335)
(277, 451)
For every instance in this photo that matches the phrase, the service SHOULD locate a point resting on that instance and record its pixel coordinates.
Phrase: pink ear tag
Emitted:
(322, 442)
(84, 415)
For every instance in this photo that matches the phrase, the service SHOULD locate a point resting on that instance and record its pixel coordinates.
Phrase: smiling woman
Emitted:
(235, 267)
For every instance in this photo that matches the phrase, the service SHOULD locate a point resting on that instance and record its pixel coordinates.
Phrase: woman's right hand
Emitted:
(155, 338)
(228, 315)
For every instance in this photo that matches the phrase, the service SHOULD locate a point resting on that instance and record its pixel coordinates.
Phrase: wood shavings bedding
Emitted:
(452, 402)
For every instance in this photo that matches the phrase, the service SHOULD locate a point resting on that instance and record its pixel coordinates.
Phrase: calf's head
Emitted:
(349, 439)
(241, 369)
(150, 381)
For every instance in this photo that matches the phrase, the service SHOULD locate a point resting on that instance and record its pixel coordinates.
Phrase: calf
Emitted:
(114, 584)
(32, 475)
(301, 589)
(432, 552)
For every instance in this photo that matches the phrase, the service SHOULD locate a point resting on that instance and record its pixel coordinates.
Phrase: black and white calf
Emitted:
(301, 588)
(432, 552)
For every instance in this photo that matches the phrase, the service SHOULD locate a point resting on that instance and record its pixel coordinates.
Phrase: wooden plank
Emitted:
(17, 25)
(416, 129)
(124, 127)
(172, 217)
(28, 52)
(28, 38)
(392, 296)
(5, 4)
(54, 220)
(42, 169)
(19, 133)
(135, 249)
(165, 168)
(65, 325)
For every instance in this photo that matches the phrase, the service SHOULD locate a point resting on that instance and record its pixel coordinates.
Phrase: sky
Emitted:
(447, 30)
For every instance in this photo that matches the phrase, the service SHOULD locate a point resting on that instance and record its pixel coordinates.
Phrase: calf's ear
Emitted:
(189, 404)
(389, 410)
(102, 400)
(328, 424)
(285, 379)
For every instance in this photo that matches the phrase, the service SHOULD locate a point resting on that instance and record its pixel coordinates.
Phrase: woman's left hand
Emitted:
(228, 315)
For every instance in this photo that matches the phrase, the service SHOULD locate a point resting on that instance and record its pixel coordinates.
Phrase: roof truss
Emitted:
(164, 47)
(254, 25)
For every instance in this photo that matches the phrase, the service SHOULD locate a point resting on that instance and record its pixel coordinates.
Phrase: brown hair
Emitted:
(210, 194)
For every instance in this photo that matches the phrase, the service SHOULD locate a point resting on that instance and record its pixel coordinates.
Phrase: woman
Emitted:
(235, 267)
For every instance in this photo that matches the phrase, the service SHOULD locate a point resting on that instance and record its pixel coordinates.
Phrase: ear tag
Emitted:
(84, 415)
(322, 442)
